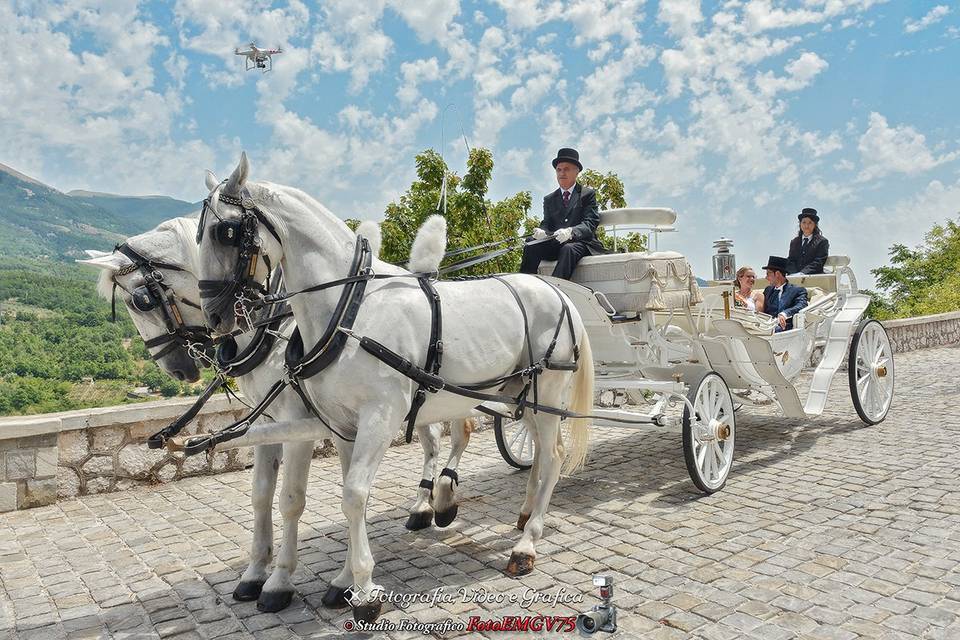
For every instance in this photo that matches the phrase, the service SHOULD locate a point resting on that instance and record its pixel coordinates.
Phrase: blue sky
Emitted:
(736, 114)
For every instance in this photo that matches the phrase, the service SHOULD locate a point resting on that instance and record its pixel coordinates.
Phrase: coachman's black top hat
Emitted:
(568, 155)
(776, 263)
(809, 212)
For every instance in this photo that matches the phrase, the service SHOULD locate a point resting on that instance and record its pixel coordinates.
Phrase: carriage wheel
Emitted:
(515, 442)
(870, 369)
(708, 440)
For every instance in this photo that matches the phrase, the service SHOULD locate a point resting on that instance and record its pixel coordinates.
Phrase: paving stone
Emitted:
(825, 529)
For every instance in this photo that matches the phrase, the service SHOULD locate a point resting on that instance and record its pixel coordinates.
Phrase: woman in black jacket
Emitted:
(809, 250)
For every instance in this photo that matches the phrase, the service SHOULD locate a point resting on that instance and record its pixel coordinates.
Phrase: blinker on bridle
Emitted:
(242, 234)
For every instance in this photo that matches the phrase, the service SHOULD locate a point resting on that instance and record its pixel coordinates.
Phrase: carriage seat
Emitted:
(637, 282)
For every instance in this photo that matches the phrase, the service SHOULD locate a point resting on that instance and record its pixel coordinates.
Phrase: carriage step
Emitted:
(841, 329)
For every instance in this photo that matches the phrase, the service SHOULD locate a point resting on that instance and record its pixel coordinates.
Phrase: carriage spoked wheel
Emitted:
(708, 439)
(870, 368)
(515, 442)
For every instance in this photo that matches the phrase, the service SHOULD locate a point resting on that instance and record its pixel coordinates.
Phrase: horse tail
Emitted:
(429, 245)
(581, 402)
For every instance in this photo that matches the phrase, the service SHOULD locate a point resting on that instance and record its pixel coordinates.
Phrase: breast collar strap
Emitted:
(331, 343)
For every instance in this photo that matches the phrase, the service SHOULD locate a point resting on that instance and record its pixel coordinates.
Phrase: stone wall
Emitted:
(72, 453)
(910, 334)
(60, 455)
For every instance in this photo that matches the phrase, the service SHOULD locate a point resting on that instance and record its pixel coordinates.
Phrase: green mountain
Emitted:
(139, 212)
(38, 221)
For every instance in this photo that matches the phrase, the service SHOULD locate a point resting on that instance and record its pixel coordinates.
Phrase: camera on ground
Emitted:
(602, 617)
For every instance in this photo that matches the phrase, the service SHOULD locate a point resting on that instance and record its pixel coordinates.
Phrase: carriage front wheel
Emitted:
(708, 439)
(870, 368)
(515, 442)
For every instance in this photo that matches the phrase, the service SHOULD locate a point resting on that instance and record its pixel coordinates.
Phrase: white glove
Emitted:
(563, 235)
(539, 234)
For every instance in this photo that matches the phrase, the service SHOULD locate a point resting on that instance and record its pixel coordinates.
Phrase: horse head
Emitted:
(238, 246)
(160, 292)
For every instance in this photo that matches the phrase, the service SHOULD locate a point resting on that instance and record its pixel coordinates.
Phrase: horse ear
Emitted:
(239, 176)
(107, 261)
(211, 180)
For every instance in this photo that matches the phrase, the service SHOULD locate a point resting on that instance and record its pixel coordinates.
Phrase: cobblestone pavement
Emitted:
(826, 529)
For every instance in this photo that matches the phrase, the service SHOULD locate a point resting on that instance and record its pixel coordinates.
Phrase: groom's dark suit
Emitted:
(789, 302)
(582, 216)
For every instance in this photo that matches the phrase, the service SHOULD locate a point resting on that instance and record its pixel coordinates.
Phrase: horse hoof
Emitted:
(247, 591)
(520, 564)
(444, 518)
(418, 521)
(522, 520)
(273, 601)
(335, 598)
(367, 612)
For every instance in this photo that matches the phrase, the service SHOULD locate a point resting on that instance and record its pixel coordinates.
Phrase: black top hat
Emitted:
(568, 155)
(809, 212)
(776, 263)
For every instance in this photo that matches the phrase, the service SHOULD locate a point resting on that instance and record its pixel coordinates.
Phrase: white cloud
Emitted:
(931, 18)
(680, 16)
(414, 73)
(899, 149)
(351, 39)
(800, 73)
(70, 111)
(832, 192)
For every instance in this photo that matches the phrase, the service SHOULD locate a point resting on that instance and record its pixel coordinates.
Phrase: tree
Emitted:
(472, 219)
(610, 195)
(921, 281)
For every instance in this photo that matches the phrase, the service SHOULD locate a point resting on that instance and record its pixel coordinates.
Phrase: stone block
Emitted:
(243, 457)
(195, 465)
(68, 483)
(140, 431)
(46, 462)
(98, 485)
(221, 460)
(99, 464)
(20, 464)
(8, 496)
(137, 461)
(73, 446)
(167, 472)
(108, 439)
(38, 493)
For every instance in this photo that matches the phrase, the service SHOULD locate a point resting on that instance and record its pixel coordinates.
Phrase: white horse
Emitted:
(483, 335)
(173, 242)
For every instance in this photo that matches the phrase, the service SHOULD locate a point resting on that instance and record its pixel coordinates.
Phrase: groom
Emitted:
(571, 214)
(782, 299)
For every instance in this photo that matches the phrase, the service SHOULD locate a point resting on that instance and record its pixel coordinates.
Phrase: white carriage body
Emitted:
(657, 335)
(649, 320)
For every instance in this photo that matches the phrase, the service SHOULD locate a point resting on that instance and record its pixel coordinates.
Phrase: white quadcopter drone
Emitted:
(258, 58)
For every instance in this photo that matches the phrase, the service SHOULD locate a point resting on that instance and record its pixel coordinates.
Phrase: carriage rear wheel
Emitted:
(708, 439)
(515, 442)
(870, 369)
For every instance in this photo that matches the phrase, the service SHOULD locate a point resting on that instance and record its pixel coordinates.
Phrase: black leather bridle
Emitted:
(242, 234)
(154, 294)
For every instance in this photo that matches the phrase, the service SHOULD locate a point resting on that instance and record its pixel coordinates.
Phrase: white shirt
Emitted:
(570, 190)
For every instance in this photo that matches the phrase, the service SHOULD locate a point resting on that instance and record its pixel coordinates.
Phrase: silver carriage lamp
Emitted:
(724, 262)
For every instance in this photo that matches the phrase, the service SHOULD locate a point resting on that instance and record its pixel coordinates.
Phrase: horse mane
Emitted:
(182, 227)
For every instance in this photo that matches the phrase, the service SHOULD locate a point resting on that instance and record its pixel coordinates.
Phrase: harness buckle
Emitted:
(368, 273)
(348, 332)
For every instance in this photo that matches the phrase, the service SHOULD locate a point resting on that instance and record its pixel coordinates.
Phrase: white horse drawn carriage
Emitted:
(350, 369)
(674, 346)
